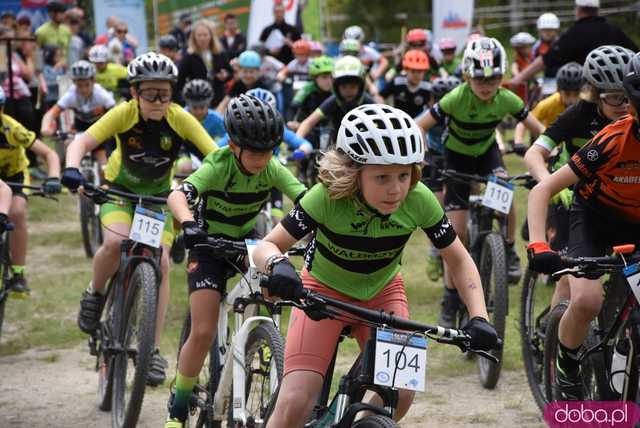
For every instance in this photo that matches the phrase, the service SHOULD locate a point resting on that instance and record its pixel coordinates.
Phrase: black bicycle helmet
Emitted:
(631, 82)
(55, 6)
(168, 42)
(253, 124)
(197, 92)
(570, 77)
(439, 87)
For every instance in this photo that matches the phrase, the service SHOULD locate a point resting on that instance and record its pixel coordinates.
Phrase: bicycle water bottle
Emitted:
(619, 365)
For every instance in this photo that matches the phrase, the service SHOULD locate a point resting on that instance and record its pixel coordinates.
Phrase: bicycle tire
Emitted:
(196, 417)
(105, 364)
(5, 264)
(376, 421)
(90, 227)
(142, 295)
(493, 274)
(532, 342)
(265, 333)
(3, 302)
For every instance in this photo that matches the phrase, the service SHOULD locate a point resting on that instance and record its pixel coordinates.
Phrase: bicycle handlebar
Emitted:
(583, 266)
(38, 190)
(100, 194)
(524, 180)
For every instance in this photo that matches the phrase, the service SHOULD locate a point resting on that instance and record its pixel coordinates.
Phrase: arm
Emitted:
(540, 196)
(383, 64)
(53, 161)
(282, 74)
(307, 125)
(518, 135)
(277, 242)
(177, 203)
(426, 121)
(533, 124)
(526, 74)
(80, 145)
(466, 278)
(222, 107)
(536, 161)
(5, 197)
(49, 121)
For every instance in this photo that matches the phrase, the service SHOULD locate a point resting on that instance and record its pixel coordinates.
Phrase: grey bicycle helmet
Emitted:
(99, 53)
(152, 66)
(253, 124)
(631, 81)
(354, 32)
(570, 77)
(197, 92)
(82, 70)
(605, 66)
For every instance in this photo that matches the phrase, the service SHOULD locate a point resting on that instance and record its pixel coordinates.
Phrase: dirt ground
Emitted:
(44, 388)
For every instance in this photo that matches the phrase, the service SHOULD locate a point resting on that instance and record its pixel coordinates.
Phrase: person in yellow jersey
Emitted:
(570, 81)
(111, 76)
(149, 131)
(54, 32)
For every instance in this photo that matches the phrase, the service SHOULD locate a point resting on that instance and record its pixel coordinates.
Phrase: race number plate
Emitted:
(147, 227)
(401, 360)
(498, 195)
(632, 273)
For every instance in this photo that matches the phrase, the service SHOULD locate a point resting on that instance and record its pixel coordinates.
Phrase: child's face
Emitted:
(100, 66)
(154, 98)
(485, 88)
(384, 187)
(199, 111)
(170, 53)
(324, 82)
(548, 35)
(249, 76)
(613, 105)
(569, 98)
(415, 76)
(448, 56)
(349, 91)
(84, 87)
(254, 162)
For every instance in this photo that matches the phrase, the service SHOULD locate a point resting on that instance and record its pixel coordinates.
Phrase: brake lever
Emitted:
(485, 354)
(574, 271)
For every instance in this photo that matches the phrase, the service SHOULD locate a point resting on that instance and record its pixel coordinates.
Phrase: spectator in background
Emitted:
(23, 22)
(77, 47)
(182, 31)
(8, 19)
(79, 14)
(587, 33)
(18, 104)
(123, 46)
(54, 32)
(168, 46)
(269, 69)
(233, 41)
(205, 59)
(52, 69)
(103, 39)
(289, 34)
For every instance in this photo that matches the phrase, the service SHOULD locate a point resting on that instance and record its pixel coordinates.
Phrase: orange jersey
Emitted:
(609, 170)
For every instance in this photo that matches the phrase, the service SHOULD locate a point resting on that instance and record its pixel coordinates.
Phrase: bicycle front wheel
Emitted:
(106, 360)
(90, 226)
(137, 338)
(493, 274)
(376, 421)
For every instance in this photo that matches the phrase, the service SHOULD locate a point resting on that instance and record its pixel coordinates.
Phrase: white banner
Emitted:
(130, 11)
(452, 18)
(261, 16)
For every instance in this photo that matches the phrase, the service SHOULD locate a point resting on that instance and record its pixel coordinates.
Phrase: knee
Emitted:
(111, 245)
(586, 305)
(295, 403)
(201, 336)
(18, 210)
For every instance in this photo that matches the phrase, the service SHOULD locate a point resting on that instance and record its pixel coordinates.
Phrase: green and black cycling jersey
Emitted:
(334, 109)
(471, 129)
(357, 250)
(573, 128)
(412, 101)
(307, 100)
(227, 201)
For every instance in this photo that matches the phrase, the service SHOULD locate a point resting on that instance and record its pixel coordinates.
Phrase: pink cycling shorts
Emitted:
(310, 344)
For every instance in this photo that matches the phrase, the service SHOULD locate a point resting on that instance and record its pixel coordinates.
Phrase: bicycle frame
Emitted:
(240, 300)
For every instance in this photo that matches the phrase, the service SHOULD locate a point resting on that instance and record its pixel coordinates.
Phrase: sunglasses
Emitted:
(614, 99)
(153, 95)
(122, 31)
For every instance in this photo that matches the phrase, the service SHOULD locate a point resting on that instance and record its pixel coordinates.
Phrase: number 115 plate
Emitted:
(401, 360)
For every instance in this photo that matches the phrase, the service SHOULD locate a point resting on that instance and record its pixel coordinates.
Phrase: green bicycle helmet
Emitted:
(320, 65)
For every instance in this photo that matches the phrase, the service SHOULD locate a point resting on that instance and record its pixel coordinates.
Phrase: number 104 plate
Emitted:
(401, 360)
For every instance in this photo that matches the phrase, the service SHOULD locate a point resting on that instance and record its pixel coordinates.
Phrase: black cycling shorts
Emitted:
(456, 195)
(431, 176)
(21, 178)
(206, 272)
(558, 219)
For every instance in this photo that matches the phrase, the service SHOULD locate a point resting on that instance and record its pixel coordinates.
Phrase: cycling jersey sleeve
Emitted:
(431, 216)
(441, 233)
(560, 130)
(68, 100)
(17, 133)
(224, 141)
(595, 154)
(112, 122)
(308, 212)
(328, 107)
(292, 140)
(298, 223)
(303, 93)
(444, 107)
(191, 130)
(103, 97)
(284, 181)
(515, 106)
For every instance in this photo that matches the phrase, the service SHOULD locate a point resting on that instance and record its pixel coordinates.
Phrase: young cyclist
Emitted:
(15, 140)
(149, 131)
(248, 77)
(411, 93)
(348, 93)
(569, 82)
(416, 38)
(474, 110)
(375, 64)
(298, 68)
(314, 92)
(521, 44)
(109, 75)
(548, 26)
(605, 212)
(168, 46)
(450, 64)
(369, 202)
(242, 170)
(604, 103)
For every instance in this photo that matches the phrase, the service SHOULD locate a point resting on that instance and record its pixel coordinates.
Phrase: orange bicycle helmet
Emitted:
(415, 59)
(301, 47)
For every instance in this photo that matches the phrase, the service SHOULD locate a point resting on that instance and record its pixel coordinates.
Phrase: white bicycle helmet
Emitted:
(522, 39)
(354, 32)
(152, 66)
(82, 70)
(263, 95)
(484, 57)
(605, 66)
(377, 134)
(99, 53)
(548, 21)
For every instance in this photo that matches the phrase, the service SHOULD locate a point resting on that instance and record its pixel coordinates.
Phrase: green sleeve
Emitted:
(204, 177)
(303, 93)
(448, 101)
(316, 203)
(428, 206)
(285, 181)
(512, 102)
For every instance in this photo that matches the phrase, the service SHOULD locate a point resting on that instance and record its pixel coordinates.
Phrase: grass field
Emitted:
(58, 271)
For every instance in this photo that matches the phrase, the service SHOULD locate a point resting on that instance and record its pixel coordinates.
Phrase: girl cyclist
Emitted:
(369, 202)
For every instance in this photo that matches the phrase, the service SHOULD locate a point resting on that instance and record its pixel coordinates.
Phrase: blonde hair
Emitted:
(214, 45)
(590, 93)
(341, 175)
